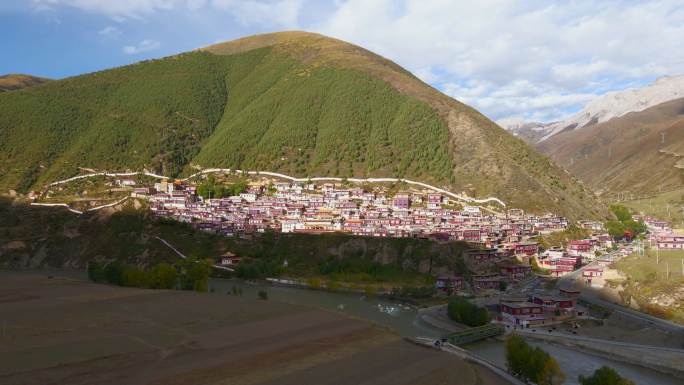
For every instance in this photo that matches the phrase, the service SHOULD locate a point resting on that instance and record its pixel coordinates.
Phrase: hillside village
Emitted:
(504, 253)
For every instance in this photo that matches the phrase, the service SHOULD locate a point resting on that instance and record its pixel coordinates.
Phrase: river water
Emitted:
(405, 321)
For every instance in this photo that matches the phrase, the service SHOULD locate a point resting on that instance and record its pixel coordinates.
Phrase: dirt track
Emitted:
(66, 331)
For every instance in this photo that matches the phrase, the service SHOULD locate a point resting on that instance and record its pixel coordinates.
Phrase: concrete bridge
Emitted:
(475, 334)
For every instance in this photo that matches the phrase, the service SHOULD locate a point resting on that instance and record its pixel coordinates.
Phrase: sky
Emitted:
(533, 60)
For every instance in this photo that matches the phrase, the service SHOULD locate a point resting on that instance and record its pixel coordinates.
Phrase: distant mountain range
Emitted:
(13, 82)
(530, 132)
(293, 102)
(639, 152)
(602, 109)
(623, 143)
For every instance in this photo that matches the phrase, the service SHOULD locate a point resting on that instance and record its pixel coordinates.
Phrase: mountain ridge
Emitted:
(14, 82)
(291, 102)
(613, 104)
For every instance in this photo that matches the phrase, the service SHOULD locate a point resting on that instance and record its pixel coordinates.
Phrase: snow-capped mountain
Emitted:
(615, 104)
(608, 106)
(531, 132)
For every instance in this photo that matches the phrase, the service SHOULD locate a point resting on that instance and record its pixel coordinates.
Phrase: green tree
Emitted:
(195, 273)
(621, 212)
(133, 276)
(113, 273)
(461, 310)
(551, 373)
(163, 276)
(532, 364)
(635, 227)
(604, 376)
(96, 271)
(615, 229)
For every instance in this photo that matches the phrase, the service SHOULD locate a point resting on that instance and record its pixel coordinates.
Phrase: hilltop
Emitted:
(292, 102)
(638, 153)
(14, 82)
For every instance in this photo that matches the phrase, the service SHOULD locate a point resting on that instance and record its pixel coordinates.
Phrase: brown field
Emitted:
(59, 330)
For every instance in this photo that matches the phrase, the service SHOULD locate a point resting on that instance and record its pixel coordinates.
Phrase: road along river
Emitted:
(406, 321)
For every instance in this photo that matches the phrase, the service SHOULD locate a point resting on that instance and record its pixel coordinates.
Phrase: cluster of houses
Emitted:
(309, 208)
(662, 235)
(540, 308)
(503, 246)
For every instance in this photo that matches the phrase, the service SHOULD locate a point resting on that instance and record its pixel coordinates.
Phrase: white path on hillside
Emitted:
(283, 176)
(108, 205)
(57, 205)
(78, 211)
(170, 246)
(353, 180)
(77, 177)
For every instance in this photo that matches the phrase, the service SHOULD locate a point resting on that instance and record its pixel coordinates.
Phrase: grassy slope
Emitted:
(251, 110)
(292, 102)
(648, 281)
(667, 205)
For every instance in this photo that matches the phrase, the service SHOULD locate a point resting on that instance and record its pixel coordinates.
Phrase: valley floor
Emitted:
(62, 330)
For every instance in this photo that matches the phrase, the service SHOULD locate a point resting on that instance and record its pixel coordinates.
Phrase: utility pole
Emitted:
(667, 270)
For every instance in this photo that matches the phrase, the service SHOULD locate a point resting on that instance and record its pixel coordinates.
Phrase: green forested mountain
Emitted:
(293, 102)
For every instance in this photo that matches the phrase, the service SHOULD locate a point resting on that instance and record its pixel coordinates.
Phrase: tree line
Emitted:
(186, 274)
(212, 189)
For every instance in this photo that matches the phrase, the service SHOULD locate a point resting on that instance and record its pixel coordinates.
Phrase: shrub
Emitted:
(461, 310)
(163, 276)
(604, 376)
(532, 364)
(133, 276)
(96, 271)
(314, 283)
(113, 273)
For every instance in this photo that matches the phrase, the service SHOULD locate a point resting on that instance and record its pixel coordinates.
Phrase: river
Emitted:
(405, 321)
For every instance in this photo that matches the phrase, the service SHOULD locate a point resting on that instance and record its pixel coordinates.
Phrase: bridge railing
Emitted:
(475, 334)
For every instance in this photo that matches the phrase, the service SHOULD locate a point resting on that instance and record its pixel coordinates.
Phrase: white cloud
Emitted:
(116, 9)
(536, 59)
(533, 59)
(248, 12)
(144, 46)
(283, 13)
(109, 32)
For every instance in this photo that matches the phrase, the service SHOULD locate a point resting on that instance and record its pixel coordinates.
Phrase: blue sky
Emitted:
(537, 60)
